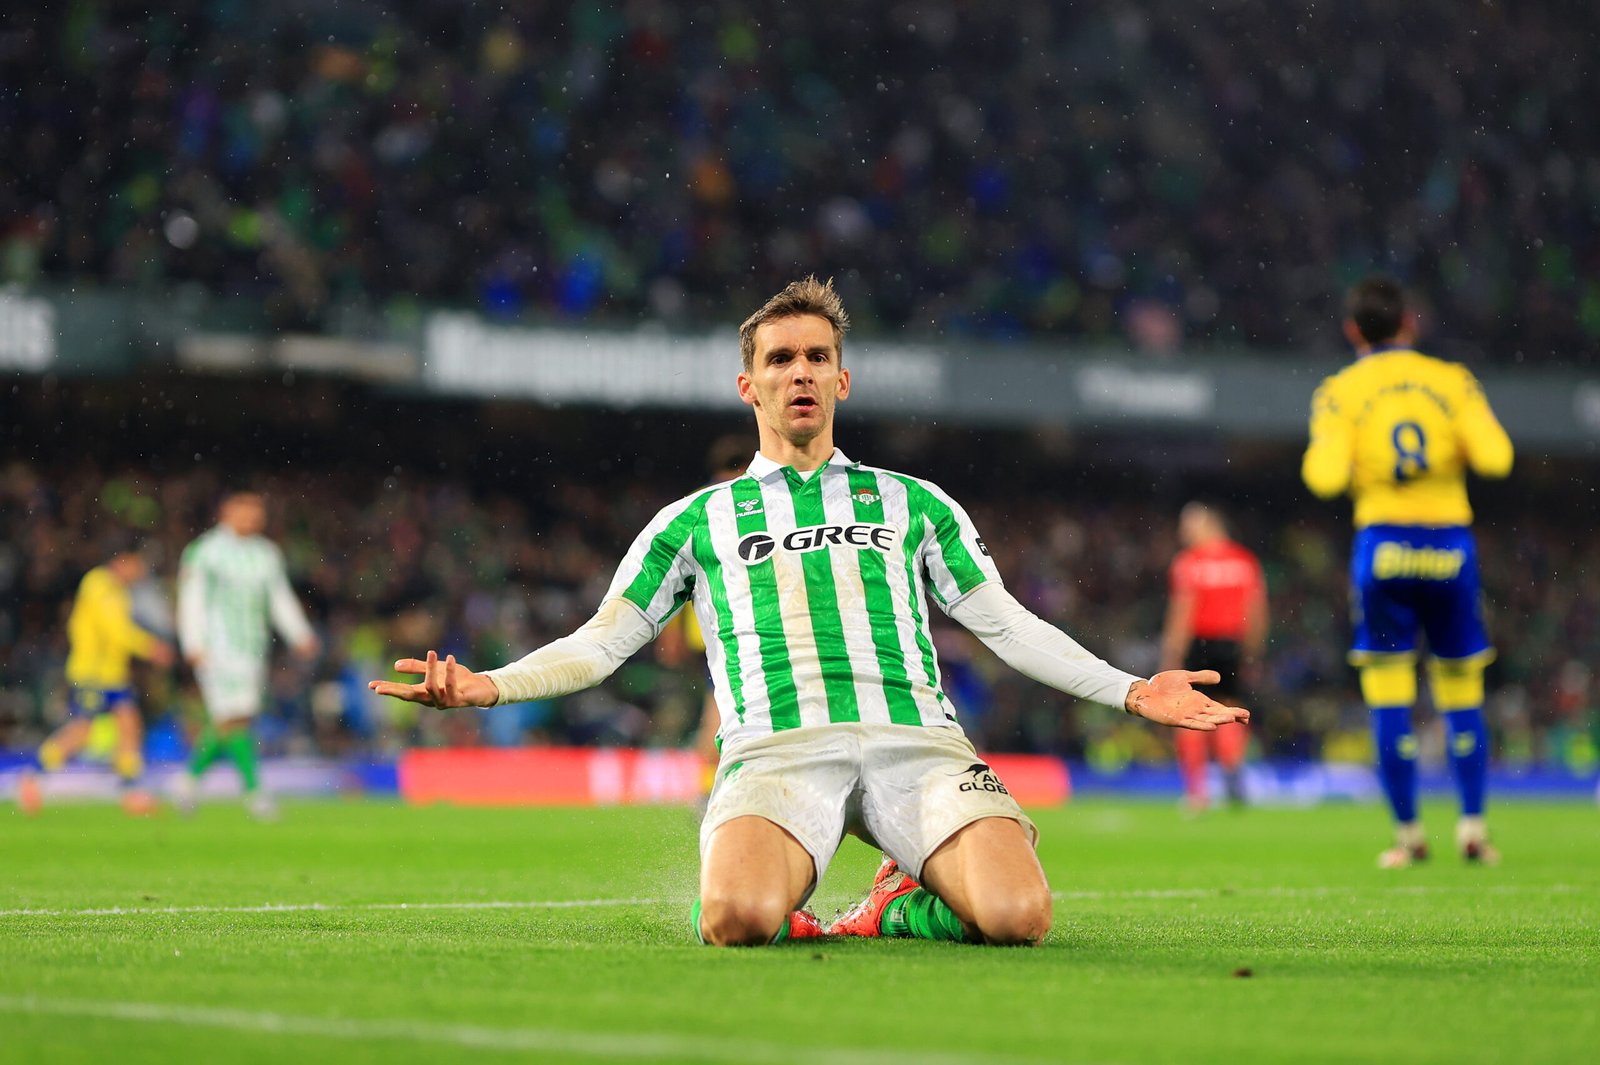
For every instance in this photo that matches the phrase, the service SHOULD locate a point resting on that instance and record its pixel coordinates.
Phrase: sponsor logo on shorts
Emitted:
(1397, 561)
(981, 778)
(756, 546)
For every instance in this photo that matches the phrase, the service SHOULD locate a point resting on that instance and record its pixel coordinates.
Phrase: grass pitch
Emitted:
(372, 932)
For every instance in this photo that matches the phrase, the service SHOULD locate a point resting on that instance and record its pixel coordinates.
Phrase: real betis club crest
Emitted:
(866, 498)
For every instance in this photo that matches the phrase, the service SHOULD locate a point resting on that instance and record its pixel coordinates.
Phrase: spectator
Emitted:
(384, 566)
(1138, 174)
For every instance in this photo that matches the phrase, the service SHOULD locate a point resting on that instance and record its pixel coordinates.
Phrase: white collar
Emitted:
(763, 468)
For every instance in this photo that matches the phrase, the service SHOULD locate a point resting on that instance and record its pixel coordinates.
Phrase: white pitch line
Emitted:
(336, 907)
(644, 1047)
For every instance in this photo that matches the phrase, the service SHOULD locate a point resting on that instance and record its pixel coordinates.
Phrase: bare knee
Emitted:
(726, 921)
(1016, 918)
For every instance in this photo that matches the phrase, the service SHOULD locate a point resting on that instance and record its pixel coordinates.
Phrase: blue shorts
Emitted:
(91, 702)
(1406, 578)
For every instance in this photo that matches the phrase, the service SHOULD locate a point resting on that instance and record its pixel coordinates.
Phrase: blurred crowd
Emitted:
(1146, 173)
(389, 567)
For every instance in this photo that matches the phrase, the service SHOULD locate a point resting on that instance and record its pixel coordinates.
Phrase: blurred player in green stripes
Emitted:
(231, 585)
(103, 638)
(810, 575)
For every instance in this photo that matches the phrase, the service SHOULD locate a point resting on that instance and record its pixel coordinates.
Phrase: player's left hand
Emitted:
(1169, 698)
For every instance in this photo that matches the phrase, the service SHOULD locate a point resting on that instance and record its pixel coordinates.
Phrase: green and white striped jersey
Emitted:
(229, 586)
(812, 591)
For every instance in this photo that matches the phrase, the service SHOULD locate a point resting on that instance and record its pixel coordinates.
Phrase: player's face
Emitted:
(795, 377)
(130, 569)
(245, 514)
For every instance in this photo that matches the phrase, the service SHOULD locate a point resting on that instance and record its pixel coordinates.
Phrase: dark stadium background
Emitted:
(192, 197)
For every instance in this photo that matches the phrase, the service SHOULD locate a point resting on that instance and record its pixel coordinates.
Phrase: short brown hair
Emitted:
(1377, 305)
(798, 297)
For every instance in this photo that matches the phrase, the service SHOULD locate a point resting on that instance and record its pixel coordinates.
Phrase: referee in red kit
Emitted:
(1216, 619)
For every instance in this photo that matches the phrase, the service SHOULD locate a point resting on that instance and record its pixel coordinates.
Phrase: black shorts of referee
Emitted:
(1224, 656)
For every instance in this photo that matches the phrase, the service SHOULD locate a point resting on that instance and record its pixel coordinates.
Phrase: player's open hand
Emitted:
(1169, 698)
(445, 684)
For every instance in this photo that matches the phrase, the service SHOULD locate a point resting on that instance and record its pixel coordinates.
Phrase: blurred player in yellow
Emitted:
(1398, 431)
(103, 640)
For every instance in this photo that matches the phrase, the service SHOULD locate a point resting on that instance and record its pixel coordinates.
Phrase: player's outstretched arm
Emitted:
(1037, 649)
(562, 667)
(445, 684)
(1170, 698)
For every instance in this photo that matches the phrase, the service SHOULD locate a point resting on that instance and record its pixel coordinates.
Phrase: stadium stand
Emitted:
(653, 160)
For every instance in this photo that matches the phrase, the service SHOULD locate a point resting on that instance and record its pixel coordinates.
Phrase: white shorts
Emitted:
(904, 789)
(233, 688)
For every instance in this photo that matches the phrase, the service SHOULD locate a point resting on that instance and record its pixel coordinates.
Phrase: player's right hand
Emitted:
(445, 684)
(161, 654)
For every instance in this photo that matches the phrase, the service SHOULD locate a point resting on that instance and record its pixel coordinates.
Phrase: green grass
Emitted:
(1154, 916)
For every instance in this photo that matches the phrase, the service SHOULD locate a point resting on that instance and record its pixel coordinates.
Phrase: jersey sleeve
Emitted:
(1483, 439)
(578, 661)
(954, 556)
(287, 615)
(192, 601)
(1330, 455)
(657, 573)
(1037, 649)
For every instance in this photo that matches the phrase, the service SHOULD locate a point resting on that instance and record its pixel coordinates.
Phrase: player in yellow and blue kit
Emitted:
(103, 639)
(1398, 430)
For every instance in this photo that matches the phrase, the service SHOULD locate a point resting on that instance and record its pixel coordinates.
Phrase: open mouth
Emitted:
(804, 404)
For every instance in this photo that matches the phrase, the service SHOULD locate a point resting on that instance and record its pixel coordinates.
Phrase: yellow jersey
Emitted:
(102, 633)
(1398, 431)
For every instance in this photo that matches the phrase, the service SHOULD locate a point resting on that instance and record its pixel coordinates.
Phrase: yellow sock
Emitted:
(50, 756)
(129, 765)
